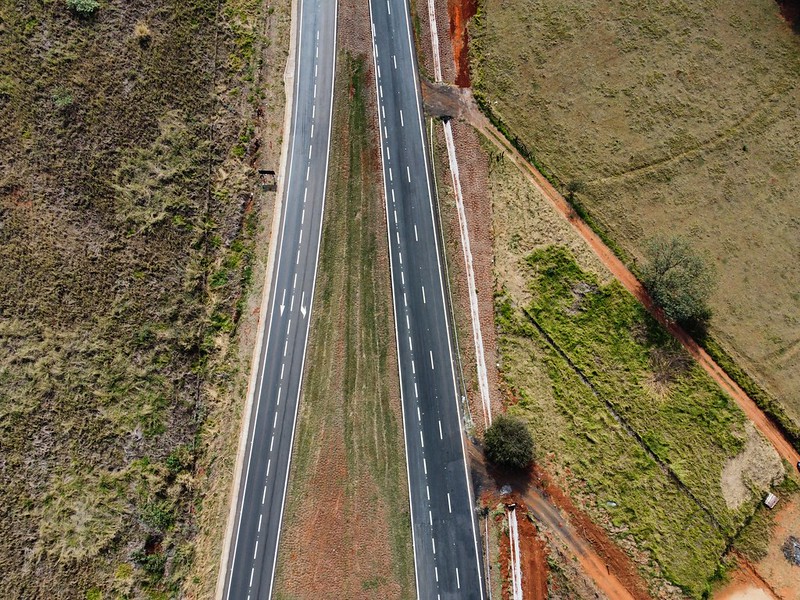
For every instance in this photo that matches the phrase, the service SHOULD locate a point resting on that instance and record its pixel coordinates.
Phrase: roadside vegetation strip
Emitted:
(347, 504)
(126, 253)
(711, 177)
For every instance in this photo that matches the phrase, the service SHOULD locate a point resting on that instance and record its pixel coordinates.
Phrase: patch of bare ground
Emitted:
(776, 571)
(609, 569)
(744, 584)
(347, 530)
(757, 465)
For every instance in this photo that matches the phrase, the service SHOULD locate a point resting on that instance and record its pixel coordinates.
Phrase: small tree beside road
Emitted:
(678, 280)
(509, 443)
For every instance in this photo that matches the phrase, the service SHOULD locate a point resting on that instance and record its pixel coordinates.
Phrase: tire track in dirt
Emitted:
(612, 571)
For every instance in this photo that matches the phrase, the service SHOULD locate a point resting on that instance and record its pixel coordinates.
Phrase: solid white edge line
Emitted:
(394, 311)
(446, 320)
(313, 287)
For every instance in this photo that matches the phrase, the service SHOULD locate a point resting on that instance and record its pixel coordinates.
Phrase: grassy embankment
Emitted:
(348, 499)
(680, 118)
(126, 243)
(635, 430)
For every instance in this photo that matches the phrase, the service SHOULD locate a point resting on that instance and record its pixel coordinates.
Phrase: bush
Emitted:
(678, 280)
(509, 443)
(142, 33)
(84, 8)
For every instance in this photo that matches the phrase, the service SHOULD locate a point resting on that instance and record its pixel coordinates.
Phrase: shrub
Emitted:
(678, 280)
(142, 33)
(509, 443)
(62, 98)
(84, 8)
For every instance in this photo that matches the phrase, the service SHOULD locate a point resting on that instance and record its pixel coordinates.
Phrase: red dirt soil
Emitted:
(533, 555)
(612, 571)
(461, 11)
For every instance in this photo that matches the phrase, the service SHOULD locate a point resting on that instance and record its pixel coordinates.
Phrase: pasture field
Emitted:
(129, 214)
(679, 117)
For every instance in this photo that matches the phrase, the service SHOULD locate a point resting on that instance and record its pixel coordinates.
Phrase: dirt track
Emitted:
(600, 558)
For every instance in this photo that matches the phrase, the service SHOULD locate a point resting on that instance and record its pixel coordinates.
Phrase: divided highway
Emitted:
(250, 568)
(446, 545)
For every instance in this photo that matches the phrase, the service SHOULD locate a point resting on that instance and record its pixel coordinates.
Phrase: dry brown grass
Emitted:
(680, 117)
(128, 220)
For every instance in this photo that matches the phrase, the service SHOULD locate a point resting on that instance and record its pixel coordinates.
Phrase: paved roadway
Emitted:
(446, 546)
(251, 565)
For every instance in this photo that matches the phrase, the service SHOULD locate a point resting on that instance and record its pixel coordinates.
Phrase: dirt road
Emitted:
(613, 572)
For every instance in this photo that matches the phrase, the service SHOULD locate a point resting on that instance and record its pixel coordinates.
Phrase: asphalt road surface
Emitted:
(251, 565)
(446, 544)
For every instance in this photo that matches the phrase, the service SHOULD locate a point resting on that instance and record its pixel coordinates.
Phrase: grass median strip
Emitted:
(348, 502)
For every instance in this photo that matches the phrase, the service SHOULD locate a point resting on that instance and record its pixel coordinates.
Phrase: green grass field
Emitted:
(680, 118)
(640, 432)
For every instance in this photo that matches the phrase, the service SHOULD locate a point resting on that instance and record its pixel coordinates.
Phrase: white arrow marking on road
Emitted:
(449, 506)
(302, 306)
(283, 300)
(401, 119)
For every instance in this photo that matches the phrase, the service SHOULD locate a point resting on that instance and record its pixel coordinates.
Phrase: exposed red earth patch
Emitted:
(461, 11)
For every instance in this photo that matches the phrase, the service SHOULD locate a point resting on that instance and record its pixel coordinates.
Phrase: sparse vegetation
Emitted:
(349, 442)
(508, 442)
(115, 213)
(678, 280)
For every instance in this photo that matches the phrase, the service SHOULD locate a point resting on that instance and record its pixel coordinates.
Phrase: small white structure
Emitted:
(771, 500)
